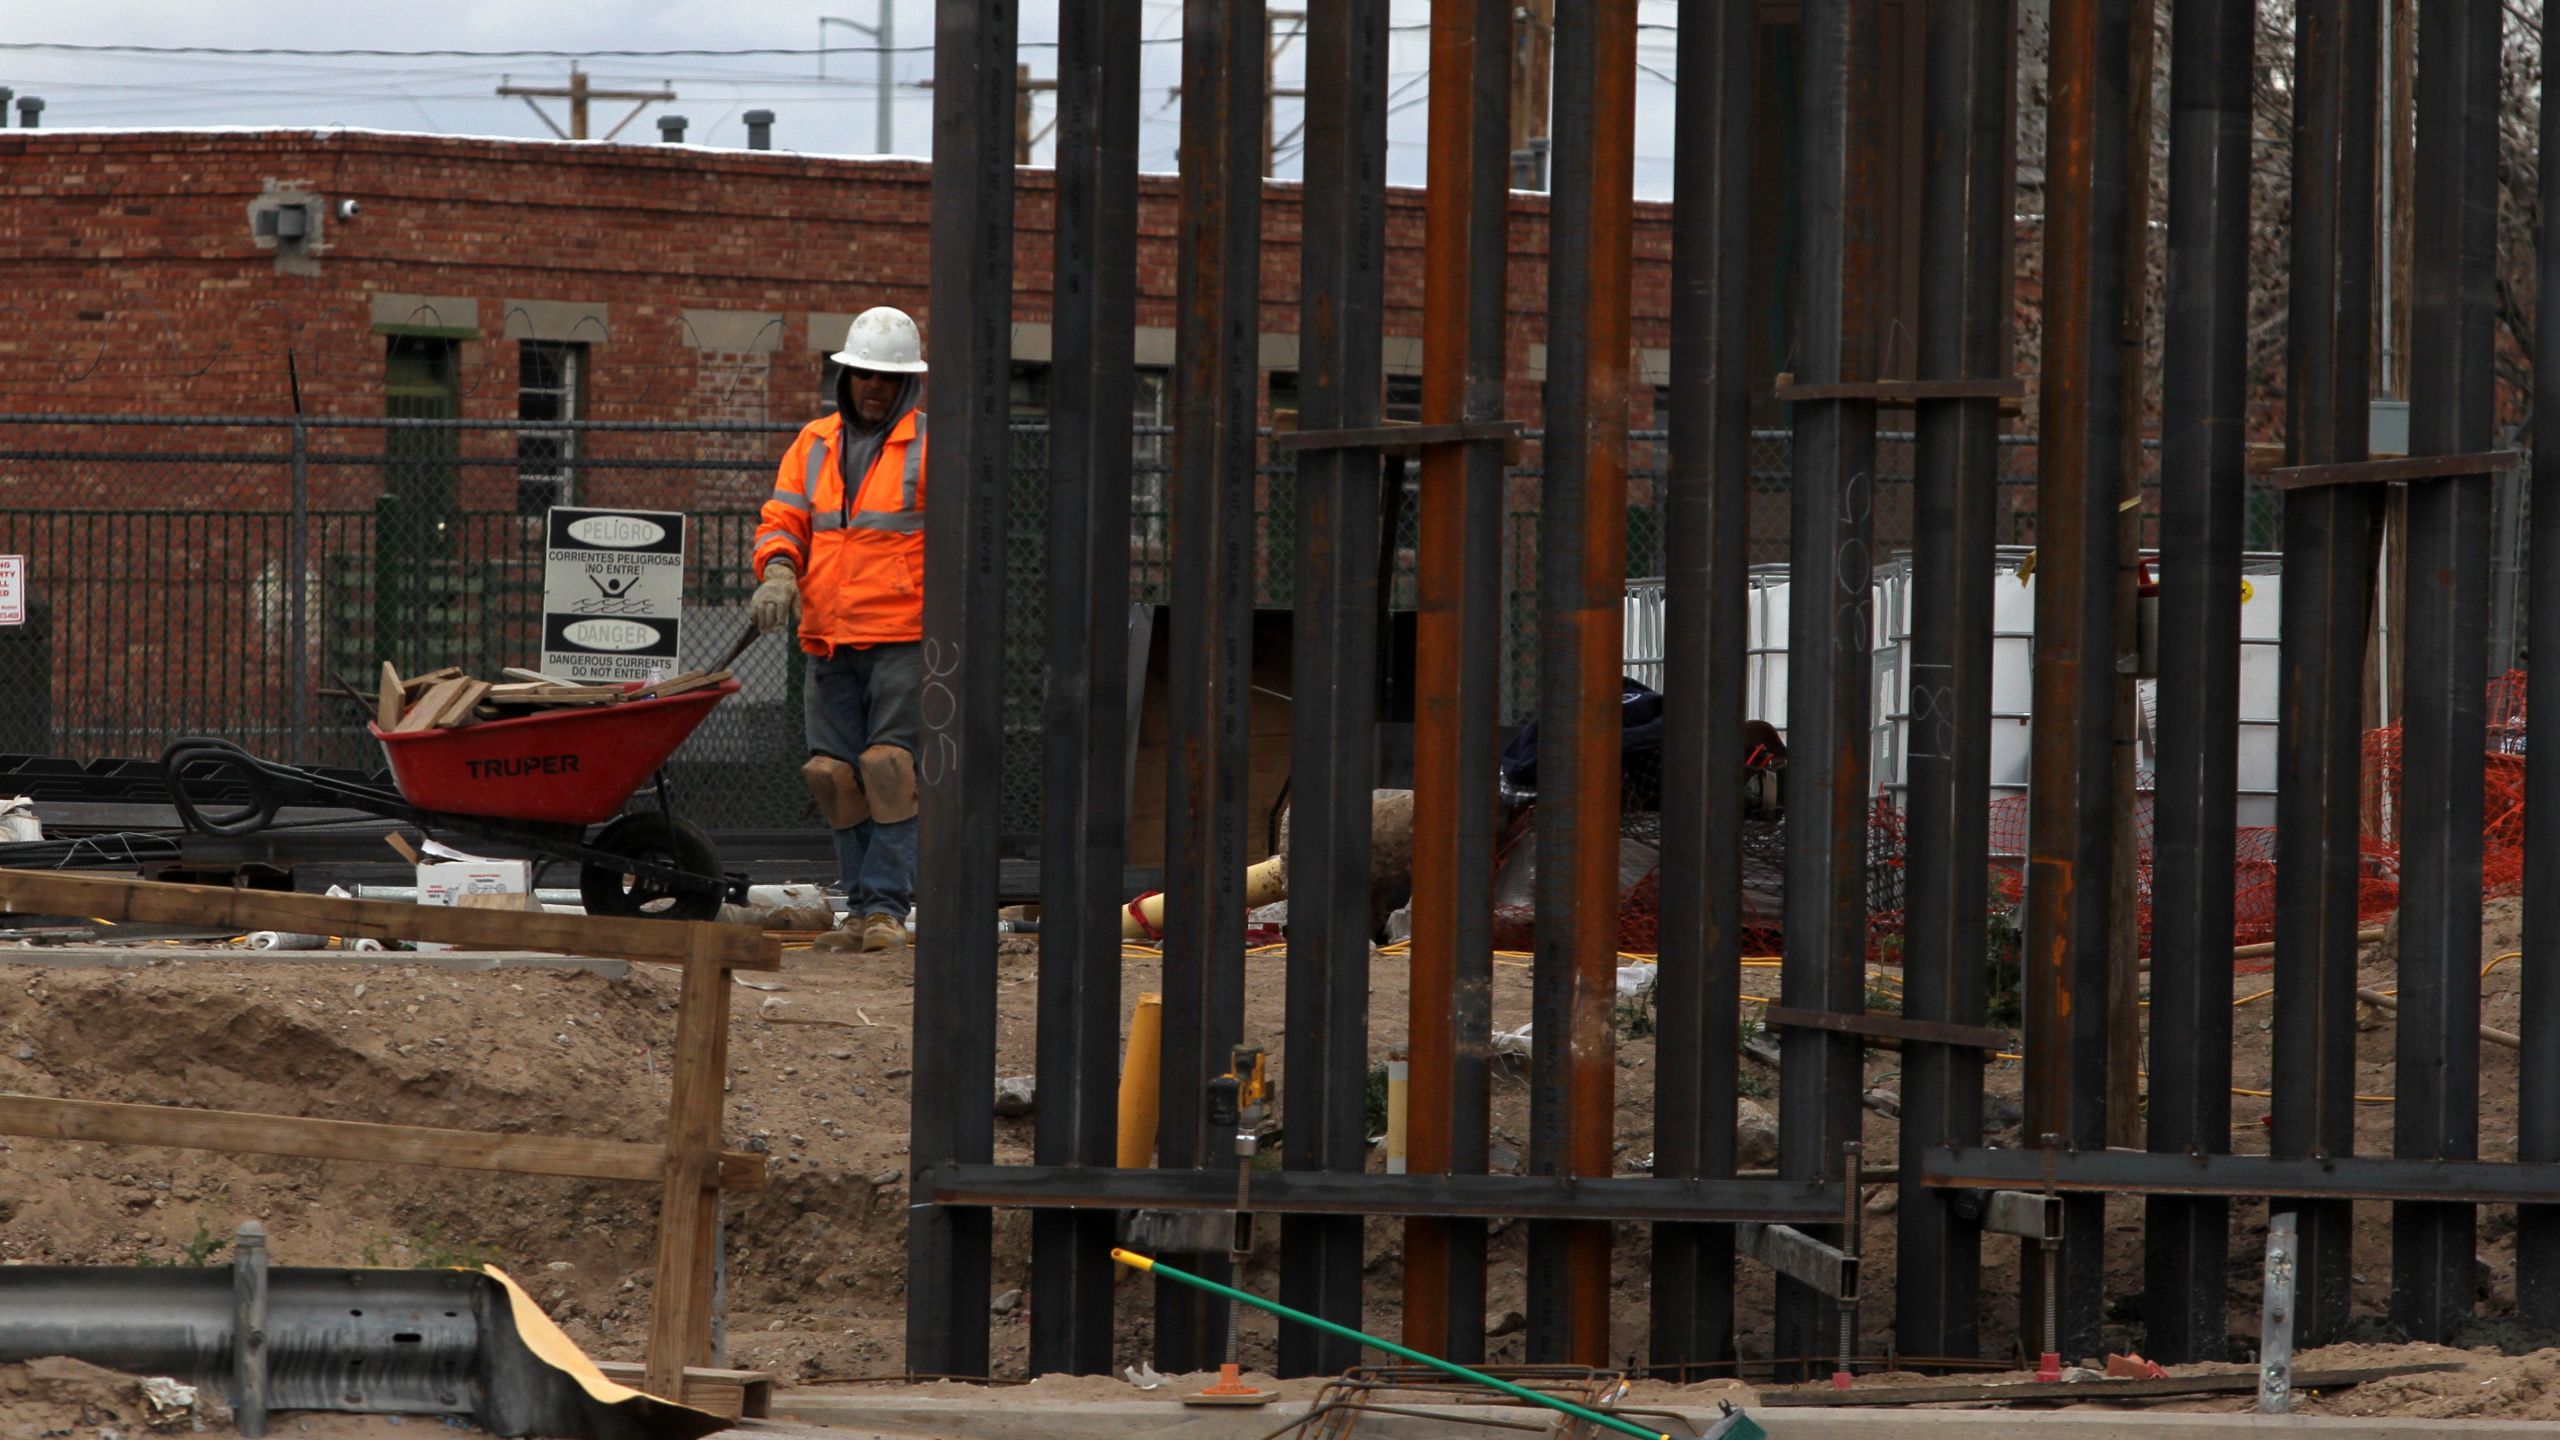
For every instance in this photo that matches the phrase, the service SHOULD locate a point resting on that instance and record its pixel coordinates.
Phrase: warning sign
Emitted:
(13, 589)
(612, 594)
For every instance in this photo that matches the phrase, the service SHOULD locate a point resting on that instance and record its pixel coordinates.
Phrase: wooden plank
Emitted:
(418, 685)
(730, 1394)
(689, 1207)
(2405, 468)
(681, 684)
(661, 942)
(1876, 1025)
(387, 701)
(429, 707)
(458, 709)
(512, 673)
(2017, 1392)
(240, 1133)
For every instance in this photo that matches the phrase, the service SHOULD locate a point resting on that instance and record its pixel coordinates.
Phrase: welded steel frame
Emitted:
(1084, 759)
(1334, 689)
(2453, 399)
(1965, 225)
(2538, 1018)
(2080, 460)
(1458, 577)
(1698, 994)
(1581, 589)
(2204, 500)
(960, 769)
(1830, 624)
(2330, 536)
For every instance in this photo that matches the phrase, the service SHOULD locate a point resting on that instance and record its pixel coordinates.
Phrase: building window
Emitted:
(1404, 398)
(1028, 392)
(549, 379)
(1150, 412)
(1150, 463)
(1284, 399)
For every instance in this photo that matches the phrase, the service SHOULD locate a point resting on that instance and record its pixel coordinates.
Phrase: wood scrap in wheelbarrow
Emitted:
(448, 699)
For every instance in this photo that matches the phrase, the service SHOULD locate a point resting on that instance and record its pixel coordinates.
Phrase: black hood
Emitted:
(862, 442)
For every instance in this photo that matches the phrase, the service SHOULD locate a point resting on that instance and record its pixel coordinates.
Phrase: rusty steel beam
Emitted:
(961, 769)
(1582, 572)
(2080, 456)
(1458, 663)
(2204, 515)
(2452, 410)
(1830, 622)
(1706, 522)
(1966, 205)
(2329, 545)
(1208, 706)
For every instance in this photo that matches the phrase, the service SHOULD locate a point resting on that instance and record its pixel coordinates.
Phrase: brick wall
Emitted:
(136, 283)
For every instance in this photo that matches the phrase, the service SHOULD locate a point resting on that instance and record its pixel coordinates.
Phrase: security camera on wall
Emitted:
(349, 209)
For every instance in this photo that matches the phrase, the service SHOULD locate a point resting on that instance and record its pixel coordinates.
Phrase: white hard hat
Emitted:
(883, 338)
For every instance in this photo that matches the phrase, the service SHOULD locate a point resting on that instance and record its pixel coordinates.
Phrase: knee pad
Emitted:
(889, 782)
(838, 791)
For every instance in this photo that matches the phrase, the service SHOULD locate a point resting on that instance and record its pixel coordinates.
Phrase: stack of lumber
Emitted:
(446, 699)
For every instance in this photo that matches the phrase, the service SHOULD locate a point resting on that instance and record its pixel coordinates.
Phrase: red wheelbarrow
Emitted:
(536, 782)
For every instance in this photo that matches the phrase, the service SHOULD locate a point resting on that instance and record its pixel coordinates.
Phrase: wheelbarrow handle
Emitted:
(740, 648)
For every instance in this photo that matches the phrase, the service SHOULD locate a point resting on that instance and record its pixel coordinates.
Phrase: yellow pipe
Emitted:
(1138, 1083)
(1143, 918)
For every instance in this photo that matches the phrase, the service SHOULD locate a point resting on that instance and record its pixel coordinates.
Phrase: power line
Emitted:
(371, 54)
(352, 53)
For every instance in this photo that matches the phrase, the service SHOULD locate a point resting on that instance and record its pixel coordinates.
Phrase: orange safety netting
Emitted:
(2254, 895)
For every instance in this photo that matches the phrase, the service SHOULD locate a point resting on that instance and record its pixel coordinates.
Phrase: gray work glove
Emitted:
(777, 599)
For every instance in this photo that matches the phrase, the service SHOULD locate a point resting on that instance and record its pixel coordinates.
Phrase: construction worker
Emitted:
(842, 543)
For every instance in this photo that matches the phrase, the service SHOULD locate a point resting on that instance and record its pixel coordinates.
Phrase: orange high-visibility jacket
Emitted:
(861, 563)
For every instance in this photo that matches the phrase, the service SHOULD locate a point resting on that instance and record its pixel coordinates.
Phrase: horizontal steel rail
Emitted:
(2339, 1177)
(1308, 1192)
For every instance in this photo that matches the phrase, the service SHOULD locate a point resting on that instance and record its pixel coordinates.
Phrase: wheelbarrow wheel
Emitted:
(648, 835)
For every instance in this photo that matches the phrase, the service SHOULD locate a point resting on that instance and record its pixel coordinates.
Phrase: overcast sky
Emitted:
(452, 95)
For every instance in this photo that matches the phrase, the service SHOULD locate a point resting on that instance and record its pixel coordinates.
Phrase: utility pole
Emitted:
(884, 41)
(1533, 57)
(1023, 139)
(577, 92)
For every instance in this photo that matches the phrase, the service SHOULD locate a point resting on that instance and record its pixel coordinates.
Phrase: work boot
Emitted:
(882, 932)
(844, 939)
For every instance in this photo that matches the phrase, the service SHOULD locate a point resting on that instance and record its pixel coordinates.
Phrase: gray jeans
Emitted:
(858, 699)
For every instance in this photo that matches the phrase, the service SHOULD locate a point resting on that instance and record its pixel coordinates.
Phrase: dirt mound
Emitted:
(55, 1396)
(554, 1052)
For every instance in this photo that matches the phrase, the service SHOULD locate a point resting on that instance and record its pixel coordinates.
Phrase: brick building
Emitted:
(523, 279)
(516, 284)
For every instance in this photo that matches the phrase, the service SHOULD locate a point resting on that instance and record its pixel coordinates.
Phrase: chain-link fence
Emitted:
(215, 576)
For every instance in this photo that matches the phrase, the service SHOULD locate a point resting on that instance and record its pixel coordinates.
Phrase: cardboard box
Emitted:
(447, 877)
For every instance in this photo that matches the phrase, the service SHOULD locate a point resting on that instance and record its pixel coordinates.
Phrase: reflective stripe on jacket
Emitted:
(861, 563)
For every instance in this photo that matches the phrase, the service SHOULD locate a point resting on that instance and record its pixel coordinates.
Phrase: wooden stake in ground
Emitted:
(689, 1211)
